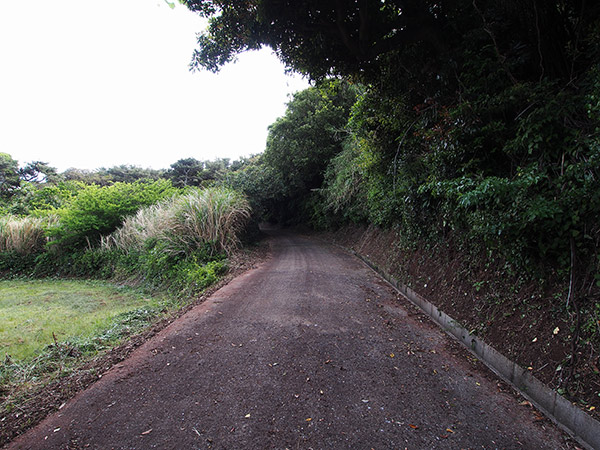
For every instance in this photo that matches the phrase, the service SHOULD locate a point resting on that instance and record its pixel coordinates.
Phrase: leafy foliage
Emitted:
(38, 172)
(192, 172)
(9, 175)
(116, 174)
(301, 143)
(349, 38)
(182, 275)
(99, 210)
(318, 38)
(262, 185)
(43, 198)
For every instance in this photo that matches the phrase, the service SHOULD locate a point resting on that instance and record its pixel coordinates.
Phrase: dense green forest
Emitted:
(471, 127)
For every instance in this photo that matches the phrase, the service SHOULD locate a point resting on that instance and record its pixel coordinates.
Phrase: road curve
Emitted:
(310, 350)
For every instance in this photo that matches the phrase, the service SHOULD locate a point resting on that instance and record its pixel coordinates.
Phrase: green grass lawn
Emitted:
(32, 311)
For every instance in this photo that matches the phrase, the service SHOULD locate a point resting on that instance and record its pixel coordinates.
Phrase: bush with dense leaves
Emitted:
(99, 210)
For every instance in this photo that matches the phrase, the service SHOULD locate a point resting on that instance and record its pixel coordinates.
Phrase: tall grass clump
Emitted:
(212, 217)
(148, 224)
(180, 244)
(24, 236)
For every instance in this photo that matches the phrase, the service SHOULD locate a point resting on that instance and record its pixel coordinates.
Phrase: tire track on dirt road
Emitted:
(309, 350)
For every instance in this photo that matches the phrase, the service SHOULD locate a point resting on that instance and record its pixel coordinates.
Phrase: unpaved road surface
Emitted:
(310, 350)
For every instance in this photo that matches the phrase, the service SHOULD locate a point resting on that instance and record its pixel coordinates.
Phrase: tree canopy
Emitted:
(9, 175)
(530, 38)
(301, 143)
(38, 172)
(192, 172)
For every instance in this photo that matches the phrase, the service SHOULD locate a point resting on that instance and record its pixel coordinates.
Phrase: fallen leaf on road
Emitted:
(449, 430)
(414, 427)
(147, 431)
(309, 419)
(392, 355)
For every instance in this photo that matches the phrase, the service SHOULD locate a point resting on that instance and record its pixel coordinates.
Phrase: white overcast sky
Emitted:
(98, 83)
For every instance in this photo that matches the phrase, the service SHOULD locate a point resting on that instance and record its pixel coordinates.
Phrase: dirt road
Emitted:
(310, 350)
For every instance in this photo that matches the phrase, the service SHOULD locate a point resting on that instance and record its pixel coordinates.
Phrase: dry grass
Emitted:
(22, 235)
(213, 216)
(148, 223)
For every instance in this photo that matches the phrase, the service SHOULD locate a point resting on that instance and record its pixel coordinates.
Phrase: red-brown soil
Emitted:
(309, 350)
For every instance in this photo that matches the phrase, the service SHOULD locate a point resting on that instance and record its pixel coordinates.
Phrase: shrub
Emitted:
(177, 244)
(15, 264)
(99, 210)
(39, 199)
(193, 275)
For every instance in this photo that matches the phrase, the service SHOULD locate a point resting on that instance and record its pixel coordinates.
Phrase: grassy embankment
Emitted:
(37, 313)
(50, 328)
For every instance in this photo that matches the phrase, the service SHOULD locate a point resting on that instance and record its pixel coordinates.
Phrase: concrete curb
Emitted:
(576, 422)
